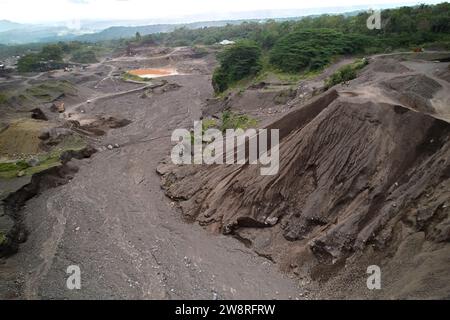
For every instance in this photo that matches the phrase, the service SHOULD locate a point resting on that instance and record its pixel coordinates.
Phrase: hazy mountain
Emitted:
(127, 32)
(86, 30)
(31, 34)
(6, 25)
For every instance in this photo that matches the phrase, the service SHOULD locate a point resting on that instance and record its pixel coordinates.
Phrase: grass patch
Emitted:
(239, 86)
(3, 98)
(11, 169)
(21, 137)
(2, 238)
(208, 124)
(50, 90)
(231, 120)
(128, 76)
(270, 74)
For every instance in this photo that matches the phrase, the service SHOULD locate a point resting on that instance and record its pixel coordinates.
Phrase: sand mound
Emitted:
(444, 74)
(387, 66)
(355, 179)
(415, 91)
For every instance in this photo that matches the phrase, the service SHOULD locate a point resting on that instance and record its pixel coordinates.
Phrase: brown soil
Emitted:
(363, 180)
(114, 221)
(101, 125)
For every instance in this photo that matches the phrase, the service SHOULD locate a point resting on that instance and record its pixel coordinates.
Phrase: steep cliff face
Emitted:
(360, 174)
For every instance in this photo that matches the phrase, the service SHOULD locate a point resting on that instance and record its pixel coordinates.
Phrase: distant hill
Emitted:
(12, 33)
(36, 34)
(6, 25)
(128, 32)
(124, 32)
(30, 34)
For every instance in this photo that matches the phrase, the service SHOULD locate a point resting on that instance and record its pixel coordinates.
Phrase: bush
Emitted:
(237, 62)
(220, 80)
(3, 98)
(346, 73)
(133, 77)
(2, 238)
(208, 124)
(231, 120)
(51, 52)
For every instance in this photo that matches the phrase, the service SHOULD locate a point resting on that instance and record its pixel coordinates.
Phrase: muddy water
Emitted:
(153, 73)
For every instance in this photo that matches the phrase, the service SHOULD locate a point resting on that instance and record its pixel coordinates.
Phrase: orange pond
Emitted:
(152, 73)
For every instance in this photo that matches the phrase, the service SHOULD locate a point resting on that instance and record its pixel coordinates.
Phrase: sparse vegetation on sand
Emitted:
(2, 238)
(132, 77)
(346, 73)
(50, 90)
(232, 120)
(3, 98)
(42, 161)
(229, 120)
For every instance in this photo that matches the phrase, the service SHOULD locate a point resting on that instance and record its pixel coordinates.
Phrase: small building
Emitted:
(226, 42)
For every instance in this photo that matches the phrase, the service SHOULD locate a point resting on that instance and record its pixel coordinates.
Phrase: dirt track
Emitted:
(114, 221)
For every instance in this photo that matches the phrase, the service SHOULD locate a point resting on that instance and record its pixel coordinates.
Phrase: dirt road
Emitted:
(114, 222)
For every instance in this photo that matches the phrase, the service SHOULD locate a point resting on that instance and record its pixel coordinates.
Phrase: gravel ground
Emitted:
(114, 222)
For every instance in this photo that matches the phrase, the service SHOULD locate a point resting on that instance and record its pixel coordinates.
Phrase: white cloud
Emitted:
(69, 10)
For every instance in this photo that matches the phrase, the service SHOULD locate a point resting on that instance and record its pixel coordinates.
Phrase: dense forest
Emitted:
(401, 26)
(311, 43)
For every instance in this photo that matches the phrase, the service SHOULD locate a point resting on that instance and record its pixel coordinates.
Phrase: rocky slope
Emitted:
(364, 179)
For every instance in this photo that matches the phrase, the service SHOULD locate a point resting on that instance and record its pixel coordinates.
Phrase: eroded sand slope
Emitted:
(364, 179)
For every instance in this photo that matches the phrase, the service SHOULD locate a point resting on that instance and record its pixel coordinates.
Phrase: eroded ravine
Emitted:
(363, 175)
(114, 221)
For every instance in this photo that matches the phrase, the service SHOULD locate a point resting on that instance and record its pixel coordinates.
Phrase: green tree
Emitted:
(312, 49)
(237, 62)
(52, 52)
(138, 36)
(28, 63)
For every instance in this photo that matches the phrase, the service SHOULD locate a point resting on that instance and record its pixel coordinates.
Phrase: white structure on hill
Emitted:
(226, 42)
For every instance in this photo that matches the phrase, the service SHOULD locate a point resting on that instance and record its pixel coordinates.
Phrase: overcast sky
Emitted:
(28, 11)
